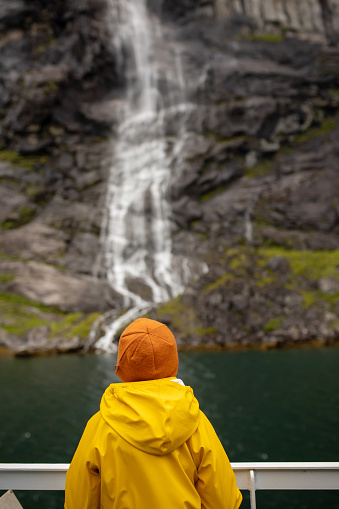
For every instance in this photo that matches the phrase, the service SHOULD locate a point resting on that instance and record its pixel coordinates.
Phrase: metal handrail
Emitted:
(250, 476)
(286, 476)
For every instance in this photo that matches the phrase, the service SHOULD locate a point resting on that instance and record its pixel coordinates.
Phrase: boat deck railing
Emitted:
(250, 476)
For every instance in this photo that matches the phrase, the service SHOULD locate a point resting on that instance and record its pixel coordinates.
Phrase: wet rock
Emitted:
(297, 239)
(32, 144)
(185, 211)
(104, 113)
(35, 342)
(81, 254)
(64, 161)
(70, 215)
(8, 341)
(11, 202)
(278, 263)
(33, 109)
(71, 345)
(51, 287)
(34, 241)
(13, 13)
(329, 285)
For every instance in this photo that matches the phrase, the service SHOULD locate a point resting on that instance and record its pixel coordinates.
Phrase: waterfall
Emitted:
(136, 233)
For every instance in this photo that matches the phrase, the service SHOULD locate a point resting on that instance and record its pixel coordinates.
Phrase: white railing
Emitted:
(250, 476)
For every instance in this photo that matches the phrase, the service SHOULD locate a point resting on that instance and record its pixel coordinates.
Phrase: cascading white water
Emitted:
(138, 240)
(136, 235)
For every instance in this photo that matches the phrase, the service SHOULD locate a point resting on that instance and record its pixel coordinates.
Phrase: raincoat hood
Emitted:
(155, 416)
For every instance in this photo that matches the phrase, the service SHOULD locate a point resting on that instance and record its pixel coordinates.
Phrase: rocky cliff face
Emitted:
(254, 190)
(56, 65)
(317, 20)
(314, 19)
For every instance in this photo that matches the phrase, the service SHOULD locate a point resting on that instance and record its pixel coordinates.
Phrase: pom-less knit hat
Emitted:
(147, 351)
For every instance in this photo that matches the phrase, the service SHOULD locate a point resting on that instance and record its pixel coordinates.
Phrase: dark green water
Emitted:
(265, 406)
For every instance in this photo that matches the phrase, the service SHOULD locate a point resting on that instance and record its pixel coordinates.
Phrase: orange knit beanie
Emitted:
(147, 351)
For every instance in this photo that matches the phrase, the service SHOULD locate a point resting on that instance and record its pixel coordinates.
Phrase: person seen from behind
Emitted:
(150, 446)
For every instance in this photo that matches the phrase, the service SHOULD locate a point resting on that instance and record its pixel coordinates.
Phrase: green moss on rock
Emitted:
(266, 37)
(6, 278)
(26, 323)
(211, 194)
(73, 324)
(274, 324)
(309, 264)
(24, 162)
(207, 331)
(221, 281)
(317, 298)
(261, 169)
(18, 315)
(83, 328)
(327, 126)
(18, 300)
(23, 216)
(183, 317)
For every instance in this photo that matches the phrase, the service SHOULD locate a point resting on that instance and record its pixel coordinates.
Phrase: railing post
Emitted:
(252, 489)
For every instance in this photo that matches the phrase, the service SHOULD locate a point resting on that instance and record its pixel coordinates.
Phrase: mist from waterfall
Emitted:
(136, 233)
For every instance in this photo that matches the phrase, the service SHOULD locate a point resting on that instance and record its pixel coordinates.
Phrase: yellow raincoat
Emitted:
(150, 447)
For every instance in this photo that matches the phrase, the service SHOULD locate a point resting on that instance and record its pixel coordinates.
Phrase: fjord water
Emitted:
(265, 406)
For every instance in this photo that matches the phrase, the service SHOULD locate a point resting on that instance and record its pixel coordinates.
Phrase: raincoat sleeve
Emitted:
(215, 481)
(83, 486)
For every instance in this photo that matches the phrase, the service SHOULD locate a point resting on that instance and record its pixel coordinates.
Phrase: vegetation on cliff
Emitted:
(259, 296)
